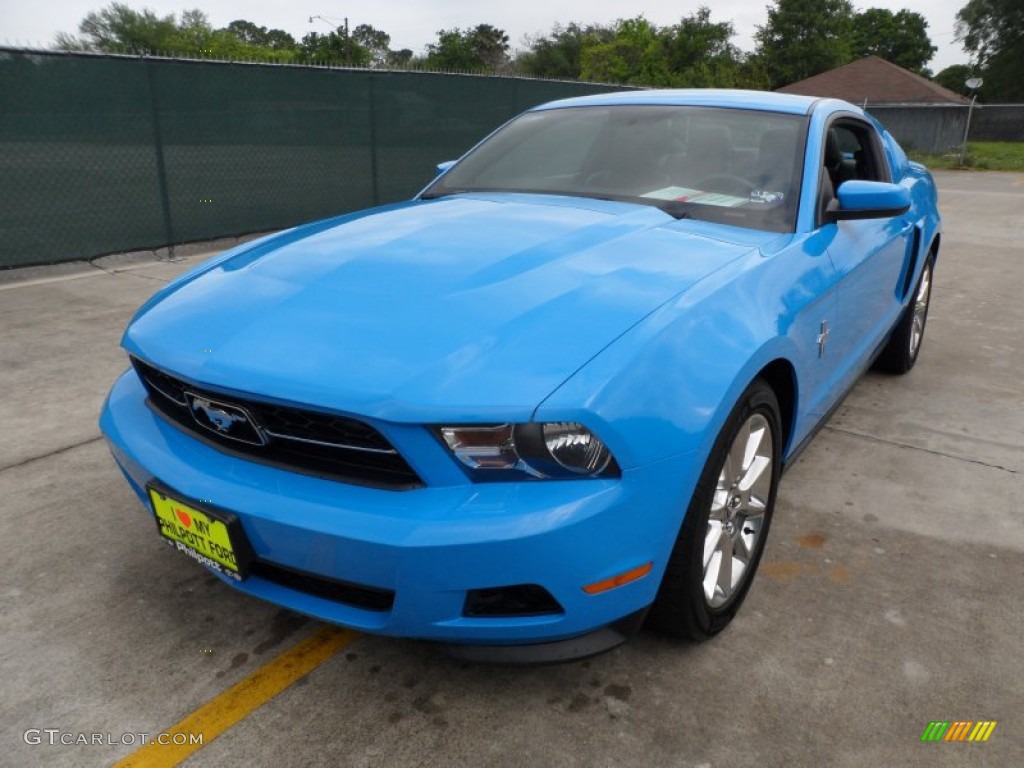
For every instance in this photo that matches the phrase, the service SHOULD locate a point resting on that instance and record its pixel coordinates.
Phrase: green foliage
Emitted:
(900, 37)
(696, 52)
(453, 50)
(981, 155)
(954, 78)
(803, 38)
(633, 56)
(560, 54)
(992, 31)
(337, 47)
(484, 48)
(375, 42)
(250, 34)
(119, 29)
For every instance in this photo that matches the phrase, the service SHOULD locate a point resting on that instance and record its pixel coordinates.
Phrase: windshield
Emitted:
(735, 166)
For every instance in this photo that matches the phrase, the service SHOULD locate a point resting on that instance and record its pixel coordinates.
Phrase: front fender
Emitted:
(666, 387)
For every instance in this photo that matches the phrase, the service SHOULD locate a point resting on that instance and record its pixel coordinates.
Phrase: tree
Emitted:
(900, 37)
(992, 31)
(803, 38)
(696, 52)
(453, 50)
(559, 54)
(119, 29)
(469, 50)
(336, 48)
(634, 56)
(248, 33)
(375, 42)
(699, 52)
(400, 59)
(954, 77)
(490, 46)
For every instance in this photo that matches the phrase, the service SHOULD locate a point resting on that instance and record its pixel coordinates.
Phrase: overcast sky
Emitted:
(414, 23)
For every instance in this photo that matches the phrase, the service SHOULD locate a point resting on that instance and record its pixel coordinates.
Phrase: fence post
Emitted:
(158, 146)
(967, 128)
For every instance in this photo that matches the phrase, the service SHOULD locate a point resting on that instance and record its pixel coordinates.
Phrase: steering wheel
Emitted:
(731, 184)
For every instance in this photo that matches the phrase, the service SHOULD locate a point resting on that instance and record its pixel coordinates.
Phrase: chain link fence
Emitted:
(103, 154)
(935, 128)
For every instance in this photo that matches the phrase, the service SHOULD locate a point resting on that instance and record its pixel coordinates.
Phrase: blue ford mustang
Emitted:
(549, 397)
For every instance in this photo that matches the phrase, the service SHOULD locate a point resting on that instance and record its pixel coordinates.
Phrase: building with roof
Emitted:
(875, 81)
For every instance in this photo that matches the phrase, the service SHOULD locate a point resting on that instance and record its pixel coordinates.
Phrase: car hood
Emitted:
(456, 308)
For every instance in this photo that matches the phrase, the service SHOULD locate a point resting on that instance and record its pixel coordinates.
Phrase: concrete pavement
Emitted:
(890, 593)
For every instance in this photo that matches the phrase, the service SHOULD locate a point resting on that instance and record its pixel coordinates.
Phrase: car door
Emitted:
(868, 254)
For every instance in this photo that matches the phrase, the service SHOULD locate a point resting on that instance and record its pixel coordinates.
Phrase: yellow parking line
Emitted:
(221, 713)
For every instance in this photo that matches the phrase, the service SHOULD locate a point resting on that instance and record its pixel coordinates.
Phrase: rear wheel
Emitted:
(723, 535)
(901, 352)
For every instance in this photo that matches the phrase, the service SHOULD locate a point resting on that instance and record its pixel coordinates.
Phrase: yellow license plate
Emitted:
(201, 535)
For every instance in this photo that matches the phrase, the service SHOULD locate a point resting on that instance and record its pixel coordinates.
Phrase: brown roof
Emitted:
(878, 81)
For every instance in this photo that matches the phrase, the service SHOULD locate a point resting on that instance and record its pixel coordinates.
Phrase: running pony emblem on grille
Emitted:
(224, 419)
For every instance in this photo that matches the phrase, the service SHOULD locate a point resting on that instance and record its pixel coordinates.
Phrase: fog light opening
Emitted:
(514, 600)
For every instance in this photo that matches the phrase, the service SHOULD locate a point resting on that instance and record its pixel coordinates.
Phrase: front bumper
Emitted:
(430, 546)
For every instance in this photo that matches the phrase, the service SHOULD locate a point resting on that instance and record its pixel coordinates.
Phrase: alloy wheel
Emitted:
(737, 512)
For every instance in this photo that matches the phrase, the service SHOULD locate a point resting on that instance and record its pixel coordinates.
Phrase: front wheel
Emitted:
(723, 535)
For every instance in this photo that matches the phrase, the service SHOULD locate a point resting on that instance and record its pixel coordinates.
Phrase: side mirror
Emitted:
(442, 167)
(868, 200)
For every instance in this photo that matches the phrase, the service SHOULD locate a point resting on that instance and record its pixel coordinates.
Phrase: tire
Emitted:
(724, 519)
(900, 353)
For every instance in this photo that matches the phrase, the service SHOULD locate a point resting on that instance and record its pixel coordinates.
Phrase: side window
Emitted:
(851, 152)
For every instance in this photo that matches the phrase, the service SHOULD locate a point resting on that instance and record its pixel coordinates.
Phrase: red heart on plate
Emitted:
(184, 517)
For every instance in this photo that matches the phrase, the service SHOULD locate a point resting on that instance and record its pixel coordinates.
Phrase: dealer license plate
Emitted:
(214, 539)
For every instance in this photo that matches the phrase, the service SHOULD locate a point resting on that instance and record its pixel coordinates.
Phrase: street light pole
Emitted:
(347, 42)
(348, 45)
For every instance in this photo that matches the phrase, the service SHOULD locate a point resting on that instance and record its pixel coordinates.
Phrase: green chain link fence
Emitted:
(103, 154)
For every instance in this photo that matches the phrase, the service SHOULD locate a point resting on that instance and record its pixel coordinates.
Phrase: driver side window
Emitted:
(851, 152)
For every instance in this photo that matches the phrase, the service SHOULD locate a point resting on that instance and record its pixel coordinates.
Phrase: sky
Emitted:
(414, 23)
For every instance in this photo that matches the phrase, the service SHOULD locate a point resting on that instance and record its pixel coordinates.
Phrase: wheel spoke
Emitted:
(711, 541)
(737, 453)
(741, 548)
(723, 585)
(711, 576)
(755, 473)
(755, 437)
(724, 581)
(746, 540)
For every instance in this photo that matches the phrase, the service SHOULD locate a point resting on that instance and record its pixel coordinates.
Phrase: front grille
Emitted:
(358, 595)
(299, 439)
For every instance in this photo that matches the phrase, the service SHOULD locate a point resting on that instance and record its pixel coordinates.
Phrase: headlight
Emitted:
(559, 449)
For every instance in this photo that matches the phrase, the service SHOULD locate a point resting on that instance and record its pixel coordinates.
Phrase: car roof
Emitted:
(702, 97)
